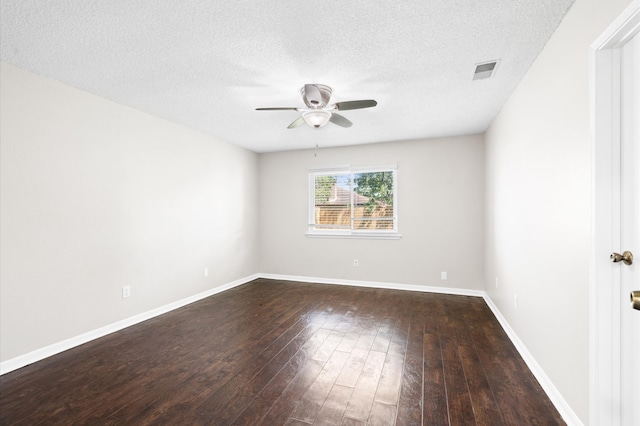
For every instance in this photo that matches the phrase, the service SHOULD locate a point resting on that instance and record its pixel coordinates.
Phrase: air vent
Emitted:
(485, 70)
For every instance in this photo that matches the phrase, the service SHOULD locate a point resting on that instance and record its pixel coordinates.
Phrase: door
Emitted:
(629, 275)
(614, 324)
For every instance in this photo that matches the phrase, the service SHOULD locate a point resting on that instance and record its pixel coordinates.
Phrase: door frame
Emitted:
(604, 306)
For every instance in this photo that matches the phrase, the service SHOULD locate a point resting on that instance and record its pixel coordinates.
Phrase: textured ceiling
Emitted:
(208, 64)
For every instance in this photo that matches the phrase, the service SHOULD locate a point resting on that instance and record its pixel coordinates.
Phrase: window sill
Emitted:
(356, 235)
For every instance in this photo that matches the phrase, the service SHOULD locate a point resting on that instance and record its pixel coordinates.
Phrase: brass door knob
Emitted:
(626, 257)
(635, 299)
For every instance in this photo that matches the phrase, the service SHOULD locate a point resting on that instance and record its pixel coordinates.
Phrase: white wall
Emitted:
(95, 196)
(440, 206)
(538, 195)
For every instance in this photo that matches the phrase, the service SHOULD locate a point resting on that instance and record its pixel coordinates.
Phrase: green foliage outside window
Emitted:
(377, 186)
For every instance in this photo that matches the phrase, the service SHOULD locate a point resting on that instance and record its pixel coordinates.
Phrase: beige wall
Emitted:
(440, 206)
(95, 196)
(538, 203)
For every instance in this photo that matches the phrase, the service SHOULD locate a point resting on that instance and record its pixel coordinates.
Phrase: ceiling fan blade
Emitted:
(298, 122)
(340, 120)
(342, 106)
(277, 109)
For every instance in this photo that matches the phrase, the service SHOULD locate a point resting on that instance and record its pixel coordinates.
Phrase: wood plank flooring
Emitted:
(283, 353)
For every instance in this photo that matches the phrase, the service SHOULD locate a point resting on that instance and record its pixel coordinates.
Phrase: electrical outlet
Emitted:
(356, 262)
(206, 272)
(126, 291)
(443, 275)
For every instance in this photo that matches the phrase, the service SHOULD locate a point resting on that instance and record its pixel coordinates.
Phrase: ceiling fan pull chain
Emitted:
(315, 154)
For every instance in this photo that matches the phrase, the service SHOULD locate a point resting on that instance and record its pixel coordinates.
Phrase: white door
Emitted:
(615, 325)
(629, 275)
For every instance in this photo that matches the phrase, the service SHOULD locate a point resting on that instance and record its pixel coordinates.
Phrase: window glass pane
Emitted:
(348, 201)
(373, 200)
(332, 201)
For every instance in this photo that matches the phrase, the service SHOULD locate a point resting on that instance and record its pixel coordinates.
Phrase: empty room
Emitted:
(347, 213)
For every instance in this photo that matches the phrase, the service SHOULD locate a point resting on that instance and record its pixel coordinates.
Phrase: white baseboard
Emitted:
(47, 351)
(376, 284)
(547, 385)
(552, 392)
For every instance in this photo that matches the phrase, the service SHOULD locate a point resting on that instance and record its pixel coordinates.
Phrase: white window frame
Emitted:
(390, 234)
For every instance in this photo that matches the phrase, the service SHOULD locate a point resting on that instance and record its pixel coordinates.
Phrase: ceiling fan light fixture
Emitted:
(316, 118)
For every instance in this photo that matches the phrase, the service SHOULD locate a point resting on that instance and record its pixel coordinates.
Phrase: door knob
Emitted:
(635, 299)
(626, 257)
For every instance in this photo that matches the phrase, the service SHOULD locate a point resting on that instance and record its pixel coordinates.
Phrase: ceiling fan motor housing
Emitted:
(316, 95)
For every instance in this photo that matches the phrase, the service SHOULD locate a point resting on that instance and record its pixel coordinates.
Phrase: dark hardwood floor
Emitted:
(275, 352)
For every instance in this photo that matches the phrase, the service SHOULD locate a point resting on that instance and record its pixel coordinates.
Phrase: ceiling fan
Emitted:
(318, 112)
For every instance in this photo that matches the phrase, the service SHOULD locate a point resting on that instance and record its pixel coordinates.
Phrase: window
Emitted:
(358, 203)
